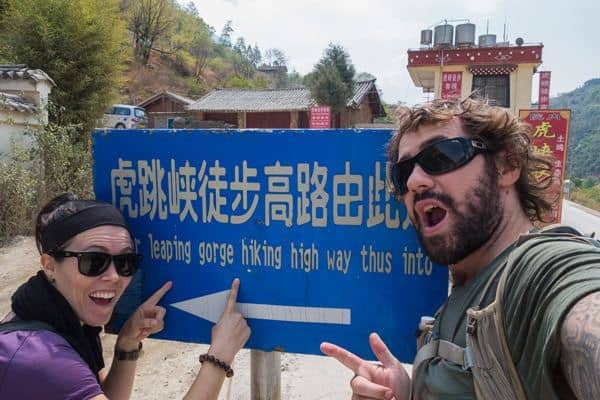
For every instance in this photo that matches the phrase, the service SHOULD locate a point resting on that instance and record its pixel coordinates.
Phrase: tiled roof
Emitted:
(20, 71)
(14, 102)
(241, 100)
(175, 96)
(367, 88)
(361, 89)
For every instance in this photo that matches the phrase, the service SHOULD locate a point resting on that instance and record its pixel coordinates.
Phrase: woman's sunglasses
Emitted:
(94, 263)
(438, 158)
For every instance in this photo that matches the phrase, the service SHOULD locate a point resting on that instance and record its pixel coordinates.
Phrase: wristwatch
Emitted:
(132, 355)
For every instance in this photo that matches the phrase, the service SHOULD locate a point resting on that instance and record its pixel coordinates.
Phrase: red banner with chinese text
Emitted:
(549, 137)
(544, 90)
(320, 117)
(451, 85)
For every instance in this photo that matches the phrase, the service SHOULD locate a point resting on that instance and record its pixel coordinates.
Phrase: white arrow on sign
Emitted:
(210, 307)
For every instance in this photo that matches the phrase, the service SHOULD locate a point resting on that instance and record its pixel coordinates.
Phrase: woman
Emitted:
(53, 350)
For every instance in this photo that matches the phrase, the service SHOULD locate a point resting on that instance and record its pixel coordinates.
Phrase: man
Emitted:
(464, 171)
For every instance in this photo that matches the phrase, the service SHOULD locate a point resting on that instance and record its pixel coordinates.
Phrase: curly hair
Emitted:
(499, 130)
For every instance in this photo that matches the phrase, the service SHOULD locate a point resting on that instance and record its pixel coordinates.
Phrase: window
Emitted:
(122, 111)
(140, 113)
(493, 87)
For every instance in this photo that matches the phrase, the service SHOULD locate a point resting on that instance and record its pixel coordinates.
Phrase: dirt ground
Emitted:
(167, 369)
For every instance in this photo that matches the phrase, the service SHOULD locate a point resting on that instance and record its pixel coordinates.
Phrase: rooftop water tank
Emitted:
(465, 35)
(487, 40)
(443, 36)
(426, 36)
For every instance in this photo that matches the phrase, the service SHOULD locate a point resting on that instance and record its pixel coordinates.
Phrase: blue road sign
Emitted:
(303, 218)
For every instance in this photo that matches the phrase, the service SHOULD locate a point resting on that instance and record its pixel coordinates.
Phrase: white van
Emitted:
(124, 116)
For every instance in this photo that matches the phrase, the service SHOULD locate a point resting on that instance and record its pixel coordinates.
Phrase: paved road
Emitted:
(584, 221)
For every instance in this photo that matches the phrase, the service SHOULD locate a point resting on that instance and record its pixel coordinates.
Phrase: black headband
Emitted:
(96, 214)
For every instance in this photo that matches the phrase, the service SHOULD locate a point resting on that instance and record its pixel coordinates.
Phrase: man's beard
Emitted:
(471, 229)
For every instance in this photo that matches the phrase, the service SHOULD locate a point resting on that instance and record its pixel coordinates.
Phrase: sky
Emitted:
(378, 33)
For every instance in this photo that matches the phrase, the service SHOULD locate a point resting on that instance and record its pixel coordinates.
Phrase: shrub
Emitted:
(58, 162)
(577, 181)
(587, 197)
(590, 182)
(593, 193)
(66, 162)
(18, 192)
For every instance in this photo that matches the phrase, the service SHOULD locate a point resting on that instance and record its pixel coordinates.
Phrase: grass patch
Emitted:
(589, 197)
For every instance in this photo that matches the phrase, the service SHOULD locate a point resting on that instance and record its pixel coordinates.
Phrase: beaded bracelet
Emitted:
(221, 364)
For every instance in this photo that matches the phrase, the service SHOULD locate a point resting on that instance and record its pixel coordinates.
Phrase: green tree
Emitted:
(191, 9)
(189, 38)
(148, 21)
(241, 59)
(365, 76)
(254, 55)
(584, 102)
(332, 80)
(225, 38)
(590, 182)
(337, 56)
(275, 58)
(3, 6)
(201, 49)
(585, 156)
(78, 43)
(294, 79)
(327, 87)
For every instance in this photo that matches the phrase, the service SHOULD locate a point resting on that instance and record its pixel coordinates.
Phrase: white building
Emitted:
(23, 100)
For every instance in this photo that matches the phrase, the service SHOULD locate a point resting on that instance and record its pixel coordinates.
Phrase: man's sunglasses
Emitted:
(94, 263)
(438, 158)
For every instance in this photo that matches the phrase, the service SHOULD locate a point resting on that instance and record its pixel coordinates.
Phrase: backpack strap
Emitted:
(446, 350)
(512, 368)
(22, 325)
(557, 230)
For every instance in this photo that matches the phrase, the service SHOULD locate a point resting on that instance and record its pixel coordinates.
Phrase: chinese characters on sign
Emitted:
(293, 195)
(544, 92)
(451, 85)
(320, 117)
(549, 138)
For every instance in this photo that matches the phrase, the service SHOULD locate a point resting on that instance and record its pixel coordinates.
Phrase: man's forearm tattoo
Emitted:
(580, 353)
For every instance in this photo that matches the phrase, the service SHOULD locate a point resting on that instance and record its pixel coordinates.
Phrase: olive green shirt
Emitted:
(549, 276)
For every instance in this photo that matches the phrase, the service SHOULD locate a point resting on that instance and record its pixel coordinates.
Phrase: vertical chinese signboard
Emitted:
(544, 91)
(320, 117)
(549, 137)
(451, 85)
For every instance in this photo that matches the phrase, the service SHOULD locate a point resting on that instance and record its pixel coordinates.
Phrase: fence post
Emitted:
(265, 375)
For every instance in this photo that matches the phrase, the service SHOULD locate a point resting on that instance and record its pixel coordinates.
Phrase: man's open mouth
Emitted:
(433, 215)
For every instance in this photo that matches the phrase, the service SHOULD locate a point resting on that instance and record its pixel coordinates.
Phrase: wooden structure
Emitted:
(164, 107)
(362, 108)
(282, 108)
(270, 108)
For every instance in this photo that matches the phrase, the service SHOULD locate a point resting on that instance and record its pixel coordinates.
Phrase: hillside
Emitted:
(584, 136)
(171, 47)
